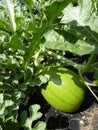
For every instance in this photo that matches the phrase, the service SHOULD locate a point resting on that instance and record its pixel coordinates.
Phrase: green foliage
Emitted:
(79, 33)
(34, 34)
(55, 9)
(34, 115)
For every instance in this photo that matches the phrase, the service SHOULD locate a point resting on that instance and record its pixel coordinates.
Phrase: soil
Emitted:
(86, 120)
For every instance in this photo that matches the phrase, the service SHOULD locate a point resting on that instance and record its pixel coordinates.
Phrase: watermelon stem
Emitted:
(89, 62)
(88, 85)
(91, 91)
(61, 58)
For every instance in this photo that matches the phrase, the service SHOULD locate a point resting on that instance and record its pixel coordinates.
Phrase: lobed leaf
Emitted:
(79, 33)
(26, 121)
(84, 22)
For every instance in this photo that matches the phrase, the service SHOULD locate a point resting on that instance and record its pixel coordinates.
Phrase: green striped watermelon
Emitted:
(64, 89)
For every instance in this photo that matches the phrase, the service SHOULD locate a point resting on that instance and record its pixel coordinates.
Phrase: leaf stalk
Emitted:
(59, 57)
(88, 64)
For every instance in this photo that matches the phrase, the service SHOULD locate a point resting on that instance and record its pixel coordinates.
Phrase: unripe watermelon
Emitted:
(64, 89)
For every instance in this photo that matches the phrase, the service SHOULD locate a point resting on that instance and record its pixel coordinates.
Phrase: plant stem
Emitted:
(69, 62)
(88, 86)
(91, 91)
(90, 61)
(34, 45)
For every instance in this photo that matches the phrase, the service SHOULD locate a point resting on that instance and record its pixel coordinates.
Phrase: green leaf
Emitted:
(54, 10)
(56, 41)
(9, 105)
(9, 9)
(39, 80)
(10, 125)
(4, 25)
(4, 21)
(80, 14)
(39, 126)
(26, 122)
(29, 2)
(5, 87)
(80, 32)
(84, 22)
(32, 27)
(95, 82)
